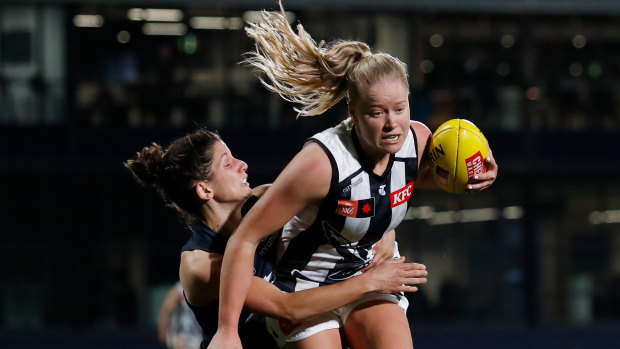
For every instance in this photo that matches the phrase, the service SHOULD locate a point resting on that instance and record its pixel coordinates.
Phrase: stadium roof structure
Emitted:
(491, 6)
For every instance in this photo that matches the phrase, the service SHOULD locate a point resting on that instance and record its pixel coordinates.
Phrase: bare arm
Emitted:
(425, 178)
(200, 271)
(260, 190)
(305, 180)
(389, 277)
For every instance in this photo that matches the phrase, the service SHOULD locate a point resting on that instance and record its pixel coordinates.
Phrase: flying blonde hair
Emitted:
(315, 77)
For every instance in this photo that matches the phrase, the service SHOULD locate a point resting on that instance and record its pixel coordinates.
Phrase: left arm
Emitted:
(425, 178)
(390, 277)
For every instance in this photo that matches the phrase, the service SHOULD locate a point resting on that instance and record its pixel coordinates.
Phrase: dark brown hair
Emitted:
(174, 171)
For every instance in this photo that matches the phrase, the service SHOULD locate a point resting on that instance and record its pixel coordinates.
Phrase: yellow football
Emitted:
(457, 152)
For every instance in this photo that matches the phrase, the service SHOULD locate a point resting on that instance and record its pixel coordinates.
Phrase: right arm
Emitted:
(305, 180)
(200, 272)
(389, 277)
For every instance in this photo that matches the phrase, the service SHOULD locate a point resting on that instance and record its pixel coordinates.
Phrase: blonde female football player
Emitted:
(198, 175)
(340, 194)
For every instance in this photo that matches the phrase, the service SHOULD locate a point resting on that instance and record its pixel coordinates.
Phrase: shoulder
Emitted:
(307, 177)
(335, 139)
(200, 274)
(200, 266)
(313, 161)
(313, 157)
(423, 135)
(421, 130)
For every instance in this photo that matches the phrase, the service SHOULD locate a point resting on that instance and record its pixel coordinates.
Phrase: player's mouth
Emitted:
(391, 139)
(244, 182)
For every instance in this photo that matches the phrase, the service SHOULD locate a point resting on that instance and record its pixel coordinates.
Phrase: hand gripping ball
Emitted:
(457, 152)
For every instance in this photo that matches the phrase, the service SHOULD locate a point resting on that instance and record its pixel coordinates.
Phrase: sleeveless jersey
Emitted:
(333, 241)
(252, 329)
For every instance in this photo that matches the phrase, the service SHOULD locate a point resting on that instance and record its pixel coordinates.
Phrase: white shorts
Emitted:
(285, 332)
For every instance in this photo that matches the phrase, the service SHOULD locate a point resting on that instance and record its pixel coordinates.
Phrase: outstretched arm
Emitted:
(389, 277)
(201, 272)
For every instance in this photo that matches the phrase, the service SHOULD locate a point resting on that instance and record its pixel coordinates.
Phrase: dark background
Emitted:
(86, 254)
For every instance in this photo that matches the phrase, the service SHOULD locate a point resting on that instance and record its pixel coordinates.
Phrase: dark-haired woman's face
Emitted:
(229, 179)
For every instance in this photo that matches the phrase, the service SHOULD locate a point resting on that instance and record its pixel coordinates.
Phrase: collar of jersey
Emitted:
(367, 164)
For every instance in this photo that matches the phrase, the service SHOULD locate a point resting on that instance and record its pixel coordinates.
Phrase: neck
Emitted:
(381, 164)
(372, 160)
(223, 218)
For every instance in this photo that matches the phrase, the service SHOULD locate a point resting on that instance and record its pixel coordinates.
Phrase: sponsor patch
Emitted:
(475, 165)
(401, 195)
(356, 208)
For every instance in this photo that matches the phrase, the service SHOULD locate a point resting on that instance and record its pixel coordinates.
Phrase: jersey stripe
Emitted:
(331, 242)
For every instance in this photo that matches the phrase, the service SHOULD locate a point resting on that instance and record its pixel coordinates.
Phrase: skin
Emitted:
(173, 298)
(200, 271)
(382, 124)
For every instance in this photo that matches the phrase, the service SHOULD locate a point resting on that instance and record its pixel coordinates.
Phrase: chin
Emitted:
(393, 148)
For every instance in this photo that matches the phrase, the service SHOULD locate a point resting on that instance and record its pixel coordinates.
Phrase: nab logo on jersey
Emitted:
(347, 208)
(402, 195)
(356, 209)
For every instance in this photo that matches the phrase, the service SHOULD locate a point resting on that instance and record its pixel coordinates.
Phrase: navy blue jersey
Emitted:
(333, 240)
(251, 326)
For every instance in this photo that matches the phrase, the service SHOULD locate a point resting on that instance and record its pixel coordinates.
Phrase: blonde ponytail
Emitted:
(300, 71)
(315, 77)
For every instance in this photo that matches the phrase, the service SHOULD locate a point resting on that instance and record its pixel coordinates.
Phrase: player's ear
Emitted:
(204, 190)
(351, 108)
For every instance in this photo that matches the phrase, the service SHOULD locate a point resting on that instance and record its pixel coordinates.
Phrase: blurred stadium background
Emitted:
(86, 254)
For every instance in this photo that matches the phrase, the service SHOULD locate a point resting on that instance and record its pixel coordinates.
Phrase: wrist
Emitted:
(228, 328)
(366, 282)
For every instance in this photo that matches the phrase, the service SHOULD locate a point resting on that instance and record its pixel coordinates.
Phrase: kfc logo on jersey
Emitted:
(475, 165)
(356, 209)
(402, 195)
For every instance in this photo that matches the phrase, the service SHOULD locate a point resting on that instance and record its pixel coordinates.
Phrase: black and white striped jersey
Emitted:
(333, 241)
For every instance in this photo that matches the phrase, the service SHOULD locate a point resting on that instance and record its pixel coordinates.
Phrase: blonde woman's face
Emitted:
(382, 118)
(229, 181)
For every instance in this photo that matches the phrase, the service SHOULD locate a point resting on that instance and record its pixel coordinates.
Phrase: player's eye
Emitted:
(376, 113)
